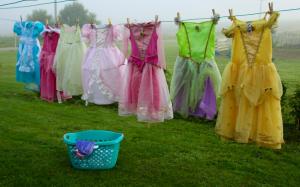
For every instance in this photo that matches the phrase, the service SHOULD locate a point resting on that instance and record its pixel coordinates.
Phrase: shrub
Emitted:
(285, 108)
(295, 106)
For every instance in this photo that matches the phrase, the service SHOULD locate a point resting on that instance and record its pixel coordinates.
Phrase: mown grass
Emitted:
(181, 152)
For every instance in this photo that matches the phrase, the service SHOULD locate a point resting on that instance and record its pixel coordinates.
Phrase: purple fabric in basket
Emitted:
(85, 148)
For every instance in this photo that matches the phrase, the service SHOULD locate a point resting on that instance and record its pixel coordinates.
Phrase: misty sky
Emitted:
(143, 10)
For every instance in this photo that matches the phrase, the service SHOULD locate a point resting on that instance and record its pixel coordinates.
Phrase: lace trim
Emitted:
(95, 78)
(165, 112)
(26, 58)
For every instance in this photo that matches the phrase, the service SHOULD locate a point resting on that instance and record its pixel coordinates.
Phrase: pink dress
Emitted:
(145, 92)
(48, 78)
(101, 70)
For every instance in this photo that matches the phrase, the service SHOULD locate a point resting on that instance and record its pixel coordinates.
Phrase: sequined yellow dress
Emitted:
(251, 88)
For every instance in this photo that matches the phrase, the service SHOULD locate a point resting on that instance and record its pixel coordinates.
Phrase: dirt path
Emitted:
(8, 49)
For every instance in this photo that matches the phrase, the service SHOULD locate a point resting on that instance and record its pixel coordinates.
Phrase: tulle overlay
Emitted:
(190, 83)
(102, 75)
(250, 108)
(102, 70)
(68, 59)
(145, 92)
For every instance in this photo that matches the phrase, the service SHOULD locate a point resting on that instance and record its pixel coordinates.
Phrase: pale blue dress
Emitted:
(28, 66)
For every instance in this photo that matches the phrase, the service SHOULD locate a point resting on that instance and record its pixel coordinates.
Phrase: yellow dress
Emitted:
(250, 109)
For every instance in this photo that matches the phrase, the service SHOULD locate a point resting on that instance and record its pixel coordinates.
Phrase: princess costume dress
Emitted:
(145, 92)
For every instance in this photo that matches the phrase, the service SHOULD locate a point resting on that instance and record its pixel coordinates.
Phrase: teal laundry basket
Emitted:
(105, 153)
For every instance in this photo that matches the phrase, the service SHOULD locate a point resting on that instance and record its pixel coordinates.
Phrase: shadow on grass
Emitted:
(291, 133)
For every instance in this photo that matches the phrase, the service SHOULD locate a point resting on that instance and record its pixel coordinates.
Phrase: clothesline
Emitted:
(12, 3)
(25, 6)
(221, 17)
(194, 19)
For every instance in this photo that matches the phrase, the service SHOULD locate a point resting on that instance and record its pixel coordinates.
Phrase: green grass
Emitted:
(181, 152)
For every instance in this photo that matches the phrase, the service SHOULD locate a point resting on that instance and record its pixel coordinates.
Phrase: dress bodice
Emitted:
(102, 37)
(254, 37)
(146, 44)
(143, 40)
(28, 31)
(196, 40)
(70, 34)
(50, 40)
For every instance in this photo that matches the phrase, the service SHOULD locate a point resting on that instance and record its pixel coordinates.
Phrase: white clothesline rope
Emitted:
(222, 17)
(34, 5)
(195, 19)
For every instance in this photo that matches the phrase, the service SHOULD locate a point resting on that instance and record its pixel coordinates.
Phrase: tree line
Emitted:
(67, 15)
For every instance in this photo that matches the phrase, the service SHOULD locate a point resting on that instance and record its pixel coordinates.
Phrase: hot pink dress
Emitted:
(48, 78)
(101, 71)
(145, 92)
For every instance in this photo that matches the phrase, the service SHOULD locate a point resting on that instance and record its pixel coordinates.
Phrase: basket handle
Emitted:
(67, 138)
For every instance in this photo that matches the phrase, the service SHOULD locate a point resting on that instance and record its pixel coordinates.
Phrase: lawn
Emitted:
(182, 152)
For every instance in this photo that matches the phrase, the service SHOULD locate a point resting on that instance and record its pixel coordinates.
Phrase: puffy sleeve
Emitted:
(86, 30)
(125, 37)
(117, 32)
(273, 19)
(228, 32)
(38, 28)
(18, 28)
(160, 48)
(86, 33)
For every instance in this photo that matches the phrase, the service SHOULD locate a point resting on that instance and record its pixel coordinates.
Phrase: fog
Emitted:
(144, 10)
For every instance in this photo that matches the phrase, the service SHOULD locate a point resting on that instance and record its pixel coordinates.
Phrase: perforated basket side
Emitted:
(104, 157)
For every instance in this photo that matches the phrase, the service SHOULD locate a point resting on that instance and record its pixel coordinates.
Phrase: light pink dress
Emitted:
(101, 70)
(145, 92)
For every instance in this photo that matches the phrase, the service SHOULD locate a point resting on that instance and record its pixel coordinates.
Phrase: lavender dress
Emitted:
(102, 66)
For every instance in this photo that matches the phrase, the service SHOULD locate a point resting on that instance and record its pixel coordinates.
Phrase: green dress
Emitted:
(68, 59)
(196, 78)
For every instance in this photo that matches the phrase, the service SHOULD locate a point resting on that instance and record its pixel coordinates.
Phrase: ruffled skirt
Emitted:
(250, 108)
(102, 75)
(194, 88)
(68, 68)
(28, 66)
(145, 94)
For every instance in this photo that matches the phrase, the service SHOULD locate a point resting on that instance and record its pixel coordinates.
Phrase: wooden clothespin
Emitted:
(109, 22)
(77, 21)
(177, 18)
(47, 22)
(230, 14)
(128, 21)
(214, 12)
(58, 22)
(92, 23)
(156, 18)
(270, 7)
(216, 17)
(21, 19)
